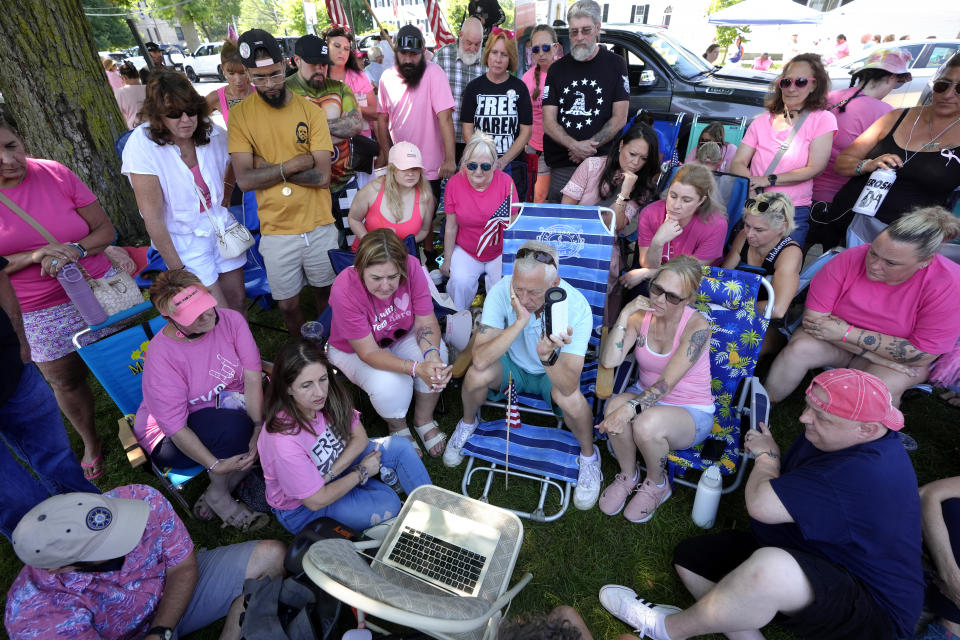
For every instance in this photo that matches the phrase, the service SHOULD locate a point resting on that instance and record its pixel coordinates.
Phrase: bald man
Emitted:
(460, 60)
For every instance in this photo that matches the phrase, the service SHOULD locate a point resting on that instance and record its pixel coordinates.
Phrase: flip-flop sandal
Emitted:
(93, 470)
(201, 510)
(405, 433)
(429, 444)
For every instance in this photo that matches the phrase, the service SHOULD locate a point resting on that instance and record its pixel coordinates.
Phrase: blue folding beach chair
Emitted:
(732, 193)
(733, 130)
(548, 455)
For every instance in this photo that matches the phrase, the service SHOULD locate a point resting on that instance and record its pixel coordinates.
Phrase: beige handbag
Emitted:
(235, 239)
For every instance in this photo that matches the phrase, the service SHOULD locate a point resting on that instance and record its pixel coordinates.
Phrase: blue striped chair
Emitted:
(548, 455)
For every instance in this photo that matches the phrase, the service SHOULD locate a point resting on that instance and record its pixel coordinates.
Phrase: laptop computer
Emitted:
(443, 549)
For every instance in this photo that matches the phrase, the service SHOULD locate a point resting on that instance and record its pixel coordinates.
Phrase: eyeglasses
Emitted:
(262, 81)
(510, 35)
(941, 86)
(484, 166)
(539, 256)
(656, 290)
(547, 48)
(386, 342)
(786, 83)
(585, 31)
(176, 115)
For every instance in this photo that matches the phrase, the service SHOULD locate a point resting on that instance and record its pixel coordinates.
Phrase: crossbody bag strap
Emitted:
(13, 206)
(786, 144)
(205, 209)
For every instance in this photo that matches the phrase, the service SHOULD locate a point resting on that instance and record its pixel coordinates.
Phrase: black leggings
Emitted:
(225, 432)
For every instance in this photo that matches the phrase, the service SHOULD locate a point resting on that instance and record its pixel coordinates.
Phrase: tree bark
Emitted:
(55, 87)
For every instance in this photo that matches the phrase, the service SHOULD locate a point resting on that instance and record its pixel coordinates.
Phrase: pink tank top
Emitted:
(204, 189)
(374, 219)
(694, 387)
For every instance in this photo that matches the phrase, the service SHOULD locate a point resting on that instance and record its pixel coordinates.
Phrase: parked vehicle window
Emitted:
(683, 62)
(941, 53)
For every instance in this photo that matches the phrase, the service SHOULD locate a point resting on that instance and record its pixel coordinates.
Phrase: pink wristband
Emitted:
(846, 333)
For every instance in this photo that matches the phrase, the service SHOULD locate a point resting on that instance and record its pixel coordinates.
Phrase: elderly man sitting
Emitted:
(122, 565)
(835, 545)
(511, 340)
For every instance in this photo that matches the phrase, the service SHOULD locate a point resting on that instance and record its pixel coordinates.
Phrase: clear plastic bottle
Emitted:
(75, 284)
(707, 500)
(389, 477)
(313, 331)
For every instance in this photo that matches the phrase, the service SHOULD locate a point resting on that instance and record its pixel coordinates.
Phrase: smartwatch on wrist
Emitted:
(635, 405)
(552, 360)
(772, 179)
(164, 633)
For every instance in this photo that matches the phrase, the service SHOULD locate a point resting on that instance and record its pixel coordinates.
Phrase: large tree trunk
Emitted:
(55, 87)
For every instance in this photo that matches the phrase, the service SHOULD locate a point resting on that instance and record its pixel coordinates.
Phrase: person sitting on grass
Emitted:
(122, 565)
(834, 547)
(511, 340)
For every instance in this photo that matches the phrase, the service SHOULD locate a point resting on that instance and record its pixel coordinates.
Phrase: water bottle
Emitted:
(313, 331)
(708, 498)
(75, 284)
(389, 477)
(873, 193)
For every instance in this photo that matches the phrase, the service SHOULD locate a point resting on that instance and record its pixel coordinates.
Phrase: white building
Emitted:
(401, 12)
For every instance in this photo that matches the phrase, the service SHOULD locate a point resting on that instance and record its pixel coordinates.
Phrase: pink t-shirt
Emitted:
(726, 155)
(584, 185)
(357, 313)
(182, 377)
(198, 180)
(766, 143)
(860, 113)
(536, 135)
(762, 65)
(694, 387)
(924, 309)
(412, 112)
(130, 100)
(475, 210)
(294, 464)
(360, 84)
(702, 240)
(51, 194)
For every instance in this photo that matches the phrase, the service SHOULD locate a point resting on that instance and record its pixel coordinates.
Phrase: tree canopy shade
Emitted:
(109, 32)
(54, 86)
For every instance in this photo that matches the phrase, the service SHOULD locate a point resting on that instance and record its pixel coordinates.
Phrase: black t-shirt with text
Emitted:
(584, 93)
(10, 365)
(497, 109)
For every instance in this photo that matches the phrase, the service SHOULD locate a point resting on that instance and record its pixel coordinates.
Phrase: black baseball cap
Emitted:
(151, 46)
(312, 49)
(255, 39)
(409, 39)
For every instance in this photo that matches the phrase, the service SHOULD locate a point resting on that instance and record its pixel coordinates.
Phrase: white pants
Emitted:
(465, 272)
(390, 392)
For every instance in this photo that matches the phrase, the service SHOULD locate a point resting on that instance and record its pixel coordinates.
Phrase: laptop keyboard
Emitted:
(434, 558)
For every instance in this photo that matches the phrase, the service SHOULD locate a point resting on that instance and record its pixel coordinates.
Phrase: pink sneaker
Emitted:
(615, 495)
(648, 497)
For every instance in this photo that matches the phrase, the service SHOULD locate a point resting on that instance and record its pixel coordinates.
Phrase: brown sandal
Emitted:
(239, 515)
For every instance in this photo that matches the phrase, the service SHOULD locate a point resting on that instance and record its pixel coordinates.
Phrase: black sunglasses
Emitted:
(102, 566)
(672, 298)
(176, 115)
(386, 342)
(537, 48)
(942, 85)
(485, 166)
(539, 256)
(786, 83)
(761, 205)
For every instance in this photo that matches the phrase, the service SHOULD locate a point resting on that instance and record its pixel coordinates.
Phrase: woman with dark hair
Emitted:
(345, 67)
(316, 456)
(488, 12)
(545, 49)
(130, 95)
(238, 85)
(714, 132)
(178, 164)
(789, 145)
(712, 53)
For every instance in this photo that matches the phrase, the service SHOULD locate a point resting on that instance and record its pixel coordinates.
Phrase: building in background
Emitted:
(401, 12)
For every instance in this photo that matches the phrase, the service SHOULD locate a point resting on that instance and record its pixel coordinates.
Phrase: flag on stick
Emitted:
(512, 422)
(336, 13)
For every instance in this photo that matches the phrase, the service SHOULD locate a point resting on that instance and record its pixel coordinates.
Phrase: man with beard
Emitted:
(585, 99)
(280, 146)
(418, 108)
(460, 60)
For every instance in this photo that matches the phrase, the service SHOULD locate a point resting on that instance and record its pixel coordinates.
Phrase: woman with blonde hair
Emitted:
(670, 405)
(400, 200)
(498, 104)
(686, 221)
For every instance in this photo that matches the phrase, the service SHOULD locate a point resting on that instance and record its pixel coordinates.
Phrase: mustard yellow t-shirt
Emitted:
(276, 135)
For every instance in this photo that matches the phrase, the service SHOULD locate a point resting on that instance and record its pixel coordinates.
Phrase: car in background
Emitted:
(206, 60)
(176, 57)
(117, 56)
(927, 56)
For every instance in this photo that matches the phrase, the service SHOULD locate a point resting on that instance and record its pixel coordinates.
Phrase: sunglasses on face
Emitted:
(176, 115)
(786, 83)
(539, 256)
(586, 31)
(656, 291)
(940, 86)
(547, 48)
(484, 166)
(386, 342)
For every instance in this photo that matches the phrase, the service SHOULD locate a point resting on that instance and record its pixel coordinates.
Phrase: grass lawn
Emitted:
(572, 558)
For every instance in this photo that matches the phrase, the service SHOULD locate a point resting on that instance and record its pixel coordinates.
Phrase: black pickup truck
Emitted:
(666, 76)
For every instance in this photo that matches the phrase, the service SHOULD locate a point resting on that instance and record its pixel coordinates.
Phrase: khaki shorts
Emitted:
(293, 261)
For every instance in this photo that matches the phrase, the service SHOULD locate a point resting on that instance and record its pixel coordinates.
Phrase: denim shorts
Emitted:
(702, 420)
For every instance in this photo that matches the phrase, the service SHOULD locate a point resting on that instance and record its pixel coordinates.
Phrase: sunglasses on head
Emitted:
(547, 48)
(176, 115)
(539, 256)
(761, 205)
(386, 342)
(786, 83)
(657, 290)
(484, 166)
(941, 86)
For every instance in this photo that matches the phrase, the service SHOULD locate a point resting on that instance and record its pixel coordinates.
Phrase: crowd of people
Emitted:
(837, 521)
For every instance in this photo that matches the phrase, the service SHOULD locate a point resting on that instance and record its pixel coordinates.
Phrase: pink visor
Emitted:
(190, 303)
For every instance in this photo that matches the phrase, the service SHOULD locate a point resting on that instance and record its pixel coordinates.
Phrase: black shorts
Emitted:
(843, 608)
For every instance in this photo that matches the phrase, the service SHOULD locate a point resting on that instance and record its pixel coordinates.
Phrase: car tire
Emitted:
(191, 74)
(220, 75)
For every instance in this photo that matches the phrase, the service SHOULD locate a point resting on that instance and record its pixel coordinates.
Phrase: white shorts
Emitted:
(390, 392)
(201, 257)
(292, 261)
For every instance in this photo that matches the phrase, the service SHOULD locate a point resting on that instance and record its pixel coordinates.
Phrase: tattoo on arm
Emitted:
(869, 341)
(641, 340)
(903, 352)
(620, 344)
(697, 340)
(652, 394)
(308, 178)
(347, 125)
(423, 336)
(483, 328)
(605, 133)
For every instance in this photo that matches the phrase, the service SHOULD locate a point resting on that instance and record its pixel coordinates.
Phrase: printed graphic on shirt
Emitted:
(325, 451)
(497, 116)
(580, 103)
(332, 106)
(303, 132)
(224, 375)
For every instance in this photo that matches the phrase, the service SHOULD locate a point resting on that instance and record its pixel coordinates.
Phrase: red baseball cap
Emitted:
(856, 395)
(190, 303)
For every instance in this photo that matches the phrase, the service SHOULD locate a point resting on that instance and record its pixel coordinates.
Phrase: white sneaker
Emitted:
(452, 456)
(640, 615)
(588, 482)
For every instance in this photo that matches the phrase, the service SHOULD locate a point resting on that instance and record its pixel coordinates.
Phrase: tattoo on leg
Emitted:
(697, 340)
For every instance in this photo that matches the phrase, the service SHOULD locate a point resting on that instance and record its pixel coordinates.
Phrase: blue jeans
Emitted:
(32, 429)
(801, 218)
(372, 503)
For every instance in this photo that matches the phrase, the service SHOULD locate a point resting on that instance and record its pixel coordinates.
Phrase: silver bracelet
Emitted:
(619, 326)
(213, 466)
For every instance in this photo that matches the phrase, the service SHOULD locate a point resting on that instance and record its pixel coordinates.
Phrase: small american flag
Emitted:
(492, 230)
(513, 413)
(336, 13)
(438, 24)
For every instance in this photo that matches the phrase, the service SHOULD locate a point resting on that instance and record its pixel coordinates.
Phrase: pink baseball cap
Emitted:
(190, 303)
(856, 395)
(892, 60)
(405, 155)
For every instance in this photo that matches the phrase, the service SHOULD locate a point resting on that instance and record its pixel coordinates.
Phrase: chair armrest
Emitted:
(135, 454)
